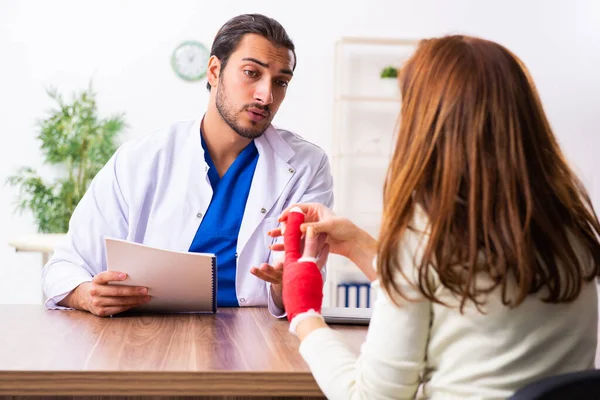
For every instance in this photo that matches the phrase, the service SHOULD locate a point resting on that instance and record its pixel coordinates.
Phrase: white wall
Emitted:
(125, 47)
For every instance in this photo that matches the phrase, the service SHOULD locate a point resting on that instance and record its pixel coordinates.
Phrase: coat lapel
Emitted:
(271, 176)
(197, 190)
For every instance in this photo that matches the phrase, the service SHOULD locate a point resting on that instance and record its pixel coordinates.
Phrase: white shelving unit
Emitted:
(366, 109)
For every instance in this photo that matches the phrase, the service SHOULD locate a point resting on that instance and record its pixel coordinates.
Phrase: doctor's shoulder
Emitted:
(305, 150)
(137, 161)
(162, 139)
(159, 144)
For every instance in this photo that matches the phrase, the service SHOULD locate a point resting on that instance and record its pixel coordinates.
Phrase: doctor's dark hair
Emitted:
(229, 36)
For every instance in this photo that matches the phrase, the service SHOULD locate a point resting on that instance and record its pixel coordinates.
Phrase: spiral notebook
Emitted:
(179, 282)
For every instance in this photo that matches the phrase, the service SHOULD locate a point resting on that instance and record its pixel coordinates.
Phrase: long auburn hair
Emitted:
(476, 152)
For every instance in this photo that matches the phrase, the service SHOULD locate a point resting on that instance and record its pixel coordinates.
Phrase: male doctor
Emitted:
(214, 185)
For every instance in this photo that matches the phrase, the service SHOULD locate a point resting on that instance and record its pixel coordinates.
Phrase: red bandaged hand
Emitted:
(302, 280)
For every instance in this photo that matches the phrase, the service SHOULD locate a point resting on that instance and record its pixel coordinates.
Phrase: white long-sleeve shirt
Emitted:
(426, 350)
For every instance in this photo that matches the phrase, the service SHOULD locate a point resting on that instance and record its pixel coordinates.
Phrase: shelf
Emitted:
(369, 99)
(365, 122)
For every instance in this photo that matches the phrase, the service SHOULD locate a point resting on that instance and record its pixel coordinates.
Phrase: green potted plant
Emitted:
(389, 78)
(389, 72)
(74, 138)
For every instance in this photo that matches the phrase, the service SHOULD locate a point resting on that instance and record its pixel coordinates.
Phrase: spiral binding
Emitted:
(214, 284)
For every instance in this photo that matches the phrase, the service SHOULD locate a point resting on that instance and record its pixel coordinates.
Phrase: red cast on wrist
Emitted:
(302, 288)
(302, 281)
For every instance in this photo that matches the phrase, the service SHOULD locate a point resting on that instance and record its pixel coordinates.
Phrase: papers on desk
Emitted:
(177, 281)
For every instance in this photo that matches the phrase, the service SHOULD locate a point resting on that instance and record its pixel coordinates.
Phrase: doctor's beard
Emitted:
(229, 115)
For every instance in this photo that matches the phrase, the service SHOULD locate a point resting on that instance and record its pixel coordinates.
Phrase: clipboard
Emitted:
(179, 282)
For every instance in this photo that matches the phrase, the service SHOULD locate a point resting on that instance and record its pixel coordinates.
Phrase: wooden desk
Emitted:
(237, 352)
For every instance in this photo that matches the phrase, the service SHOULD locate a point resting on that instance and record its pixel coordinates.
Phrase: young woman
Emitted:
(488, 249)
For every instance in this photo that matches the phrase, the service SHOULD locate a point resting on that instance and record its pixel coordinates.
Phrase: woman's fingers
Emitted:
(325, 226)
(322, 259)
(311, 244)
(322, 238)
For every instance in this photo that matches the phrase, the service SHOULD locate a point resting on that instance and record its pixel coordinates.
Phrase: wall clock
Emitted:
(189, 60)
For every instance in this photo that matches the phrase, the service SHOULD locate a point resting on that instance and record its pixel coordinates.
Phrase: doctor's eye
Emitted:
(251, 73)
(283, 84)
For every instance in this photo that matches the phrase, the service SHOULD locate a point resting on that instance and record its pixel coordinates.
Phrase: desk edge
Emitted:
(152, 383)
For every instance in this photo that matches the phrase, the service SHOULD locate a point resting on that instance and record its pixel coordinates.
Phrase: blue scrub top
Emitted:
(219, 230)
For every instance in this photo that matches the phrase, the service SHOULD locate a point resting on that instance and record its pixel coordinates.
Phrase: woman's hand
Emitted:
(302, 280)
(342, 235)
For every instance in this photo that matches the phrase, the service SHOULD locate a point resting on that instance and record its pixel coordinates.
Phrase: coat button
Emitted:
(292, 170)
(242, 300)
(199, 215)
(263, 210)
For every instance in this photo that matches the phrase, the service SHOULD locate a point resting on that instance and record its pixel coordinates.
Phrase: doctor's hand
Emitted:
(274, 273)
(101, 298)
(269, 273)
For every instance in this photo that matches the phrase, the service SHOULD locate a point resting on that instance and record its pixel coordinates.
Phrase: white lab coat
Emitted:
(155, 190)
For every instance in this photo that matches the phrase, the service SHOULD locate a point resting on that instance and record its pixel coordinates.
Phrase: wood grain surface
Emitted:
(236, 352)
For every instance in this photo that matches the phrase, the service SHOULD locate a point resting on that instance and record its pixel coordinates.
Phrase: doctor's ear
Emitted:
(213, 71)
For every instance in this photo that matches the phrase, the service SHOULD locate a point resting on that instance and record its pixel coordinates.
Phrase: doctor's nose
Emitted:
(264, 92)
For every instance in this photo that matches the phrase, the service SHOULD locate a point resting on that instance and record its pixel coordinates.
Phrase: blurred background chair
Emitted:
(582, 385)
